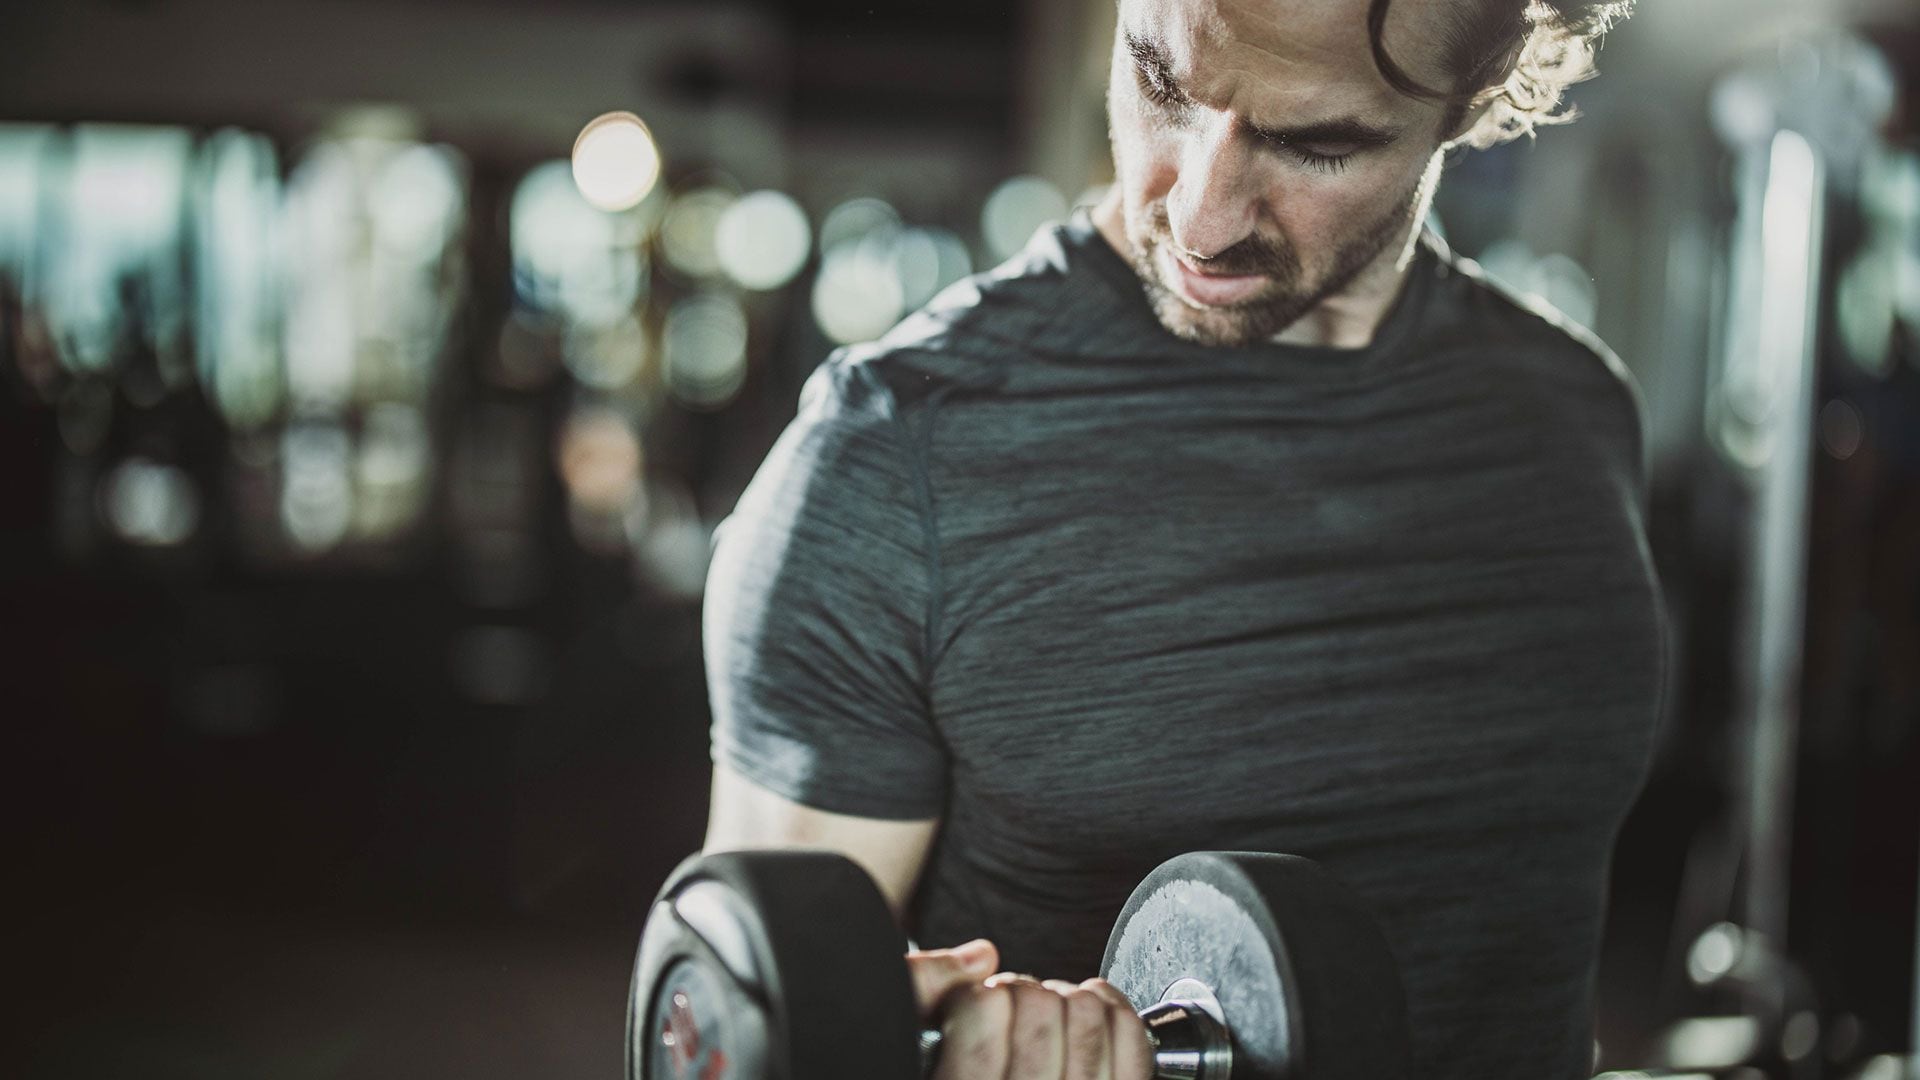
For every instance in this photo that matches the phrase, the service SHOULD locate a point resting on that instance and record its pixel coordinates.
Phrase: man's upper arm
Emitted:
(815, 626)
(742, 814)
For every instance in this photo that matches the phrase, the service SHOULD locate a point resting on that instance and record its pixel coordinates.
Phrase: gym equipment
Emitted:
(787, 965)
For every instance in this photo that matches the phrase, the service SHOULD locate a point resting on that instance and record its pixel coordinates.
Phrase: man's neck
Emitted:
(1348, 319)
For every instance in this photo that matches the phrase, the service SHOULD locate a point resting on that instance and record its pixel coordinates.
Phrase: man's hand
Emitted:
(1015, 1027)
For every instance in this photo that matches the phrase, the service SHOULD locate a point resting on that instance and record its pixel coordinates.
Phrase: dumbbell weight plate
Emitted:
(1302, 977)
(782, 965)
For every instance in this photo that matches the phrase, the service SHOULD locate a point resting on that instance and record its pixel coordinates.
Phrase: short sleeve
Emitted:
(816, 608)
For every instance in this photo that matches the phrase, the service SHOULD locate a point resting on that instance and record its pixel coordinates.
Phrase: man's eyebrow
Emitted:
(1346, 129)
(1153, 59)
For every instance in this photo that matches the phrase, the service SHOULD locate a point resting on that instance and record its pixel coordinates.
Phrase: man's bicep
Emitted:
(742, 814)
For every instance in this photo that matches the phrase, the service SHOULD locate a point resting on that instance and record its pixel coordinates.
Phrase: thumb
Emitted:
(936, 972)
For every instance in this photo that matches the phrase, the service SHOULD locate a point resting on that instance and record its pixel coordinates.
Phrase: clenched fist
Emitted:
(1016, 1027)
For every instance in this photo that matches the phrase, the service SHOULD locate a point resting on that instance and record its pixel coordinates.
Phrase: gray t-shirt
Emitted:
(1097, 596)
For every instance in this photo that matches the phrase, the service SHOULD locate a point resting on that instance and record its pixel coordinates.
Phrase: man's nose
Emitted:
(1214, 202)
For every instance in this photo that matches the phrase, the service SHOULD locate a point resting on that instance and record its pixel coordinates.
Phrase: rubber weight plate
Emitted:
(1302, 976)
(771, 965)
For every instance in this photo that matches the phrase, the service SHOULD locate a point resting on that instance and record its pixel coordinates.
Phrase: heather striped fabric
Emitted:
(1095, 596)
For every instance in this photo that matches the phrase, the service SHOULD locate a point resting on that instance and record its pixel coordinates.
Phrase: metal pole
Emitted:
(1764, 424)
(1791, 239)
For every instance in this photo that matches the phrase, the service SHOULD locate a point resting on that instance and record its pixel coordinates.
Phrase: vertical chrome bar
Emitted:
(1781, 390)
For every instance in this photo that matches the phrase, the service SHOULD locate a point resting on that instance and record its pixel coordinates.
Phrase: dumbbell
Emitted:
(787, 965)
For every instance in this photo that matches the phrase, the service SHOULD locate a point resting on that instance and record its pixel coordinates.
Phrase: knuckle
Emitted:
(1086, 1008)
(1087, 1032)
(976, 1029)
(1037, 1030)
(992, 1007)
(1034, 1004)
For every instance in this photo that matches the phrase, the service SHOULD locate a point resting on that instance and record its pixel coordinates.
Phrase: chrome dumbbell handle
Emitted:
(1188, 1043)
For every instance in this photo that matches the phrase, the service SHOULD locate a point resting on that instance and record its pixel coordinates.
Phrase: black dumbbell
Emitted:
(787, 965)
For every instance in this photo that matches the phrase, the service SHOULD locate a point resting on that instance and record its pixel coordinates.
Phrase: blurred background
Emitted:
(372, 376)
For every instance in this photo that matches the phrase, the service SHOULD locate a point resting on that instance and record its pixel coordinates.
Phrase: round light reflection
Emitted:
(857, 295)
(151, 503)
(762, 240)
(1017, 208)
(689, 233)
(704, 349)
(615, 162)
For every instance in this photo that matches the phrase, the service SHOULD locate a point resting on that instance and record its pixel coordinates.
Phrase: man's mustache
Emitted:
(1254, 255)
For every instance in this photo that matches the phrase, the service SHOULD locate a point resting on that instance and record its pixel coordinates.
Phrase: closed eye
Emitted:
(1322, 158)
(1158, 92)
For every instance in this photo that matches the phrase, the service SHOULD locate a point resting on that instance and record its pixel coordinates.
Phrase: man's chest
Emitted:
(1346, 638)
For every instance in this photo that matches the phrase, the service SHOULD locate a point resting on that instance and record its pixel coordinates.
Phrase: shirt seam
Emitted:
(917, 452)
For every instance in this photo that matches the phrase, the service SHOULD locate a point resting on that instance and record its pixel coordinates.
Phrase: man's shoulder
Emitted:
(1043, 300)
(1562, 366)
(1522, 329)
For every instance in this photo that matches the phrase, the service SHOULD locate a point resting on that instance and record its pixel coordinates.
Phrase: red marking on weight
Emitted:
(681, 1034)
(716, 1066)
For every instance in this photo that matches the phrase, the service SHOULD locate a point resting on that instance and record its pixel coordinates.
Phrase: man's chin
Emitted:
(1228, 325)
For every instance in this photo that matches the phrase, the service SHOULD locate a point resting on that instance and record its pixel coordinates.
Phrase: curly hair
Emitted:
(1515, 57)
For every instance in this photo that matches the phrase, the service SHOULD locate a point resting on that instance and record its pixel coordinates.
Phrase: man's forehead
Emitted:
(1290, 45)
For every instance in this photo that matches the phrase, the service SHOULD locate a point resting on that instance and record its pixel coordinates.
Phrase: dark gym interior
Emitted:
(358, 469)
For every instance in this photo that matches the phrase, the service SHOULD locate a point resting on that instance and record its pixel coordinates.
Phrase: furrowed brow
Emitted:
(1153, 60)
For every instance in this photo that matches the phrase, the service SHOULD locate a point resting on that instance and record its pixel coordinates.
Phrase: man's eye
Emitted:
(1155, 92)
(1324, 157)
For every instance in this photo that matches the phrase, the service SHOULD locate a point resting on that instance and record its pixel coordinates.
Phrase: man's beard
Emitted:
(1287, 297)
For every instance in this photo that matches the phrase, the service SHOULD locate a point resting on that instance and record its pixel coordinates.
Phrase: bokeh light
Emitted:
(391, 470)
(374, 270)
(601, 463)
(114, 279)
(237, 256)
(1016, 208)
(150, 503)
(928, 260)
(857, 295)
(690, 231)
(873, 269)
(1715, 952)
(23, 154)
(416, 200)
(606, 356)
(316, 486)
(600, 459)
(319, 219)
(704, 349)
(615, 161)
(855, 218)
(569, 259)
(762, 240)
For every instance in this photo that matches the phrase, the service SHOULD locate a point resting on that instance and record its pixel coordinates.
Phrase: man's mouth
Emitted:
(1203, 288)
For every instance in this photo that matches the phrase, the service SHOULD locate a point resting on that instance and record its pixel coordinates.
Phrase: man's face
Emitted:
(1263, 163)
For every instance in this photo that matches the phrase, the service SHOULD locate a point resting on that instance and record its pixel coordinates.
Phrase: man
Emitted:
(1237, 514)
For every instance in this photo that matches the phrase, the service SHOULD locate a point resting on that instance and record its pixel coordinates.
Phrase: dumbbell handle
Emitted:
(1188, 1043)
